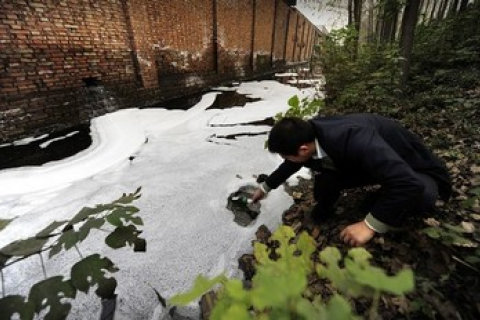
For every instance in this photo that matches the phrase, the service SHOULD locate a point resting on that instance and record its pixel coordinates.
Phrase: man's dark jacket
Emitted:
(372, 149)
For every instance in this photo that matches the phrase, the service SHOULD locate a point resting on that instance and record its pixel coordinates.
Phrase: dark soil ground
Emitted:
(447, 268)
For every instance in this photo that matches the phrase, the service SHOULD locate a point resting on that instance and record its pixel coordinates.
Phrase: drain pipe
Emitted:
(273, 34)
(287, 29)
(215, 36)
(252, 55)
(295, 40)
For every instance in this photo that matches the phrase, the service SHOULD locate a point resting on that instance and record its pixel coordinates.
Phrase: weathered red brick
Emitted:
(141, 50)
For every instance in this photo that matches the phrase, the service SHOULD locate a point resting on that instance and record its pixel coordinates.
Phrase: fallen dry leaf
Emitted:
(475, 216)
(432, 222)
(468, 226)
(475, 169)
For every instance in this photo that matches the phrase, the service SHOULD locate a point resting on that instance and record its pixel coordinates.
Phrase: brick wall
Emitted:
(297, 51)
(235, 36)
(291, 34)
(47, 50)
(263, 32)
(63, 62)
(281, 28)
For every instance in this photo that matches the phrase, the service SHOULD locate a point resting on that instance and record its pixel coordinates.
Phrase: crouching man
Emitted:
(359, 150)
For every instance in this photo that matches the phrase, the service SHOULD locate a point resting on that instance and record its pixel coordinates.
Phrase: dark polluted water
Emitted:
(66, 143)
(231, 99)
(223, 100)
(47, 148)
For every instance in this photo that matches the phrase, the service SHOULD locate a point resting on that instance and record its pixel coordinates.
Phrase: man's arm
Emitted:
(276, 178)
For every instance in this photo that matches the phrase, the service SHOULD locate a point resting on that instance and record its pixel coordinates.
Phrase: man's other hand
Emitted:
(357, 234)
(258, 195)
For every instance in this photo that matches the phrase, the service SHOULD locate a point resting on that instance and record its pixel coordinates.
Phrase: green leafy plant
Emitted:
(359, 75)
(473, 199)
(360, 279)
(448, 234)
(279, 287)
(304, 108)
(48, 296)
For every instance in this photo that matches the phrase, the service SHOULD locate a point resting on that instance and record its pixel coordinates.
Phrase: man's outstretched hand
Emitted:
(357, 234)
(258, 195)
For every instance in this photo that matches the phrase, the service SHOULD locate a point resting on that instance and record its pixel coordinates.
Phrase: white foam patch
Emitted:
(185, 180)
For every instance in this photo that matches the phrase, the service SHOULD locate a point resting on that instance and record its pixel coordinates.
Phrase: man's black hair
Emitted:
(288, 134)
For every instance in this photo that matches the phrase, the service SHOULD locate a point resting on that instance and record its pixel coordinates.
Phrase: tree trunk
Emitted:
(463, 5)
(443, 8)
(425, 10)
(432, 15)
(350, 12)
(357, 20)
(454, 8)
(389, 21)
(409, 23)
(371, 22)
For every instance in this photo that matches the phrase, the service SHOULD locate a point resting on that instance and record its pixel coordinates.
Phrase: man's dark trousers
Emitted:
(329, 184)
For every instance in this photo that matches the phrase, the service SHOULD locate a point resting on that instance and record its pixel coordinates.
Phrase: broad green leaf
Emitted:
(67, 240)
(115, 217)
(330, 255)
(137, 220)
(432, 232)
(91, 271)
(294, 101)
(128, 198)
(283, 234)
(221, 306)
(23, 248)
(83, 214)
(339, 308)
(4, 223)
(237, 312)
(274, 284)
(122, 215)
(306, 245)
(377, 279)
(55, 249)
(472, 259)
(457, 229)
(234, 288)
(461, 241)
(91, 223)
(200, 286)
(105, 207)
(468, 203)
(279, 313)
(47, 232)
(307, 310)
(122, 236)
(475, 191)
(360, 255)
(51, 293)
(338, 276)
(11, 305)
(131, 209)
(261, 252)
